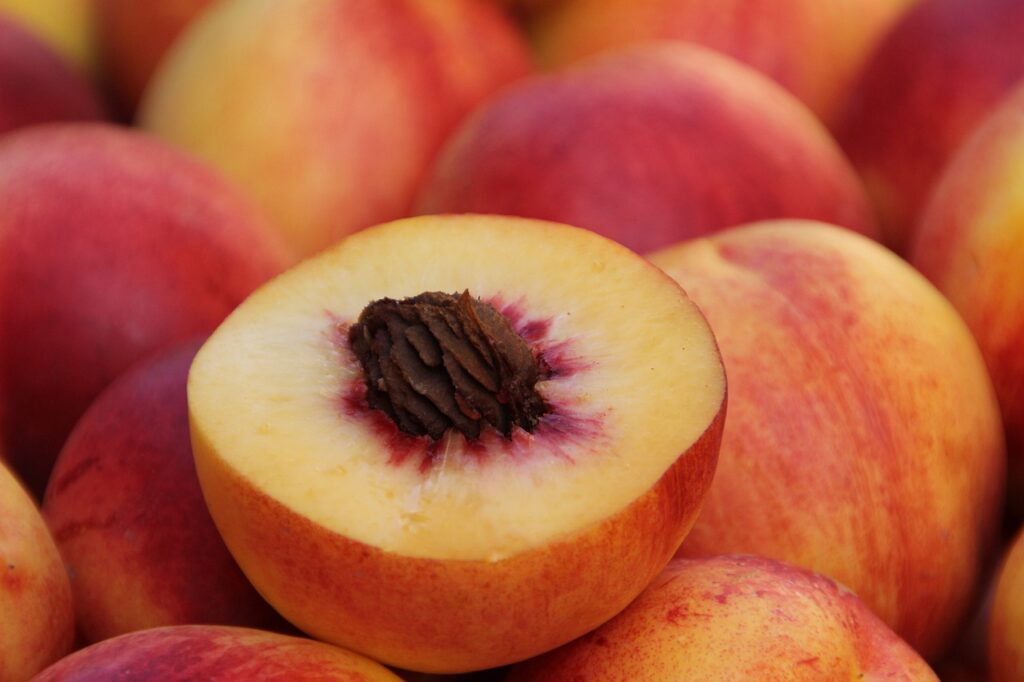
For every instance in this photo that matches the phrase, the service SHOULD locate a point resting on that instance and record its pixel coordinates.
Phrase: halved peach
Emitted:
(584, 397)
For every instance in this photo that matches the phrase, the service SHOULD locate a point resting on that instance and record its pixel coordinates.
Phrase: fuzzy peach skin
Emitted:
(864, 437)
(328, 111)
(735, 618)
(938, 73)
(37, 85)
(126, 510)
(37, 621)
(112, 245)
(134, 36)
(970, 244)
(814, 49)
(212, 653)
(648, 145)
(484, 552)
(67, 25)
(1006, 628)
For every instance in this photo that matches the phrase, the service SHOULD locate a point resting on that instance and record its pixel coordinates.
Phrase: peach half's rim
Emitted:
(452, 555)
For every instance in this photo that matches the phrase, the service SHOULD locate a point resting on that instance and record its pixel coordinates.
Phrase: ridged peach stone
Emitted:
(475, 553)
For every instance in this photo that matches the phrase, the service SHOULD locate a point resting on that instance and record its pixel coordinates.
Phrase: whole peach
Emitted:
(970, 244)
(183, 653)
(936, 75)
(735, 618)
(112, 245)
(37, 621)
(648, 145)
(328, 111)
(129, 518)
(863, 437)
(814, 49)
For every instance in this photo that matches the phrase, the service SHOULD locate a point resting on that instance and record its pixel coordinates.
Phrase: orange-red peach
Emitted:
(735, 618)
(936, 75)
(37, 624)
(970, 244)
(112, 245)
(185, 653)
(648, 146)
(328, 111)
(128, 516)
(812, 48)
(37, 85)
(863, 438)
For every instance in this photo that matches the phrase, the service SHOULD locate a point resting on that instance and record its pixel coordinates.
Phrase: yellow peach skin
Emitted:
(328, 112)
(812, 48)
(1006, 629)
(36, 616)
(863, 438)
(970, 244)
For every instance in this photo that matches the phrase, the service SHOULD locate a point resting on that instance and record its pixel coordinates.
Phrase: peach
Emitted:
(735, 618)
(184, 653)
(1006, 627)
(112, 245)
(37, 85)
(970, 244)
(129, 519)
(67, 25)
(329, 111)
(941, 69)
(648, 146)
(37, 622)
(863, 438)
(134, 36)
(451, 443)
(812, 48)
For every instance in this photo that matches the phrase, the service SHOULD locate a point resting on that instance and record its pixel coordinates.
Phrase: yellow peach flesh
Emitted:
(265, 394)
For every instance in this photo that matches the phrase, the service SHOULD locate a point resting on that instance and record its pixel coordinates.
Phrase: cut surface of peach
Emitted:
(633, 395)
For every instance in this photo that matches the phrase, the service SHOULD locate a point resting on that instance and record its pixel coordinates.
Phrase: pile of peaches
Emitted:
(582, 340)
